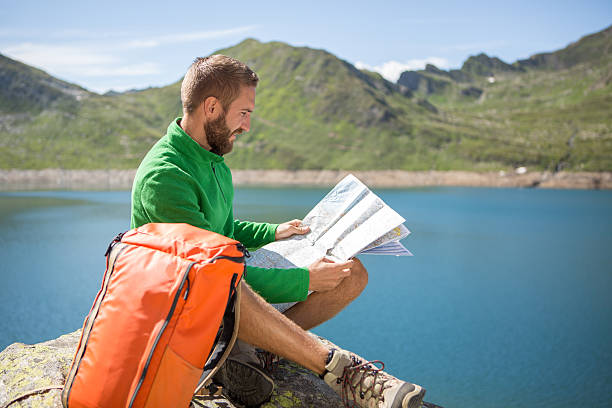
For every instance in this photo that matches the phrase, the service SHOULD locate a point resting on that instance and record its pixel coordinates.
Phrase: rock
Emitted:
(24, 368)
(299, 387)
(418, 82)
(471, 92)
(483, 65)
(427, 105)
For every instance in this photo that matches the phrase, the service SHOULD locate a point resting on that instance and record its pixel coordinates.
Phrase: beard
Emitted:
(218, 135)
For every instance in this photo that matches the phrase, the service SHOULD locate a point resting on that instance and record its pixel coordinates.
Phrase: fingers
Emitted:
(290, 228)
(298, 227)
(342, 269)
(326, 274)
(345, 264)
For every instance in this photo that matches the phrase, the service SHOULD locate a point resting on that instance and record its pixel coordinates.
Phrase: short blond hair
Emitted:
(217, 75)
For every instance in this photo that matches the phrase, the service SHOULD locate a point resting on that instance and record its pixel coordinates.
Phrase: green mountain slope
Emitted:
(27, 89)
(552, 111)
(315, 111)
(595, 48)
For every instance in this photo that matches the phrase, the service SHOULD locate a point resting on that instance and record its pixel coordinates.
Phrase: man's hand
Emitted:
(326, 274)
(290, 228)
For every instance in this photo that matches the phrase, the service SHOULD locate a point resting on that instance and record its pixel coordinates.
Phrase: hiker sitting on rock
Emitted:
(184, 179)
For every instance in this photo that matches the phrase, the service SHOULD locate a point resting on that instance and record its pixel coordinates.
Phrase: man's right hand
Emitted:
(326, 274)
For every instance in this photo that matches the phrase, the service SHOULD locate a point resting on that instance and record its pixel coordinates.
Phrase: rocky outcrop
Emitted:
(483, 65)
(26, 368)
(416, 81)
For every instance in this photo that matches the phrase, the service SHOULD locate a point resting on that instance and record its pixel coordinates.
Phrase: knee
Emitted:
(359, 277)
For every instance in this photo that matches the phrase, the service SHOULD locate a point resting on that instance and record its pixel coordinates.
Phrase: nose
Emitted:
(246, 122)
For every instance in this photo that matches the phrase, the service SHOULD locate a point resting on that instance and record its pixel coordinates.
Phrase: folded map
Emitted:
(349, 220)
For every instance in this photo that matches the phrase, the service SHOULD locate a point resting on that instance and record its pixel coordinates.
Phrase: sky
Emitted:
(123, 45)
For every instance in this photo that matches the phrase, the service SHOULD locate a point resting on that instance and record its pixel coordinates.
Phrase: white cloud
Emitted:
(145, 68)
(118, 85)
(142, 43)
(54, 57)
(70, 60)
(187, 37)
(391, 70)
(205, 35)
(62, 34)
(95, 56)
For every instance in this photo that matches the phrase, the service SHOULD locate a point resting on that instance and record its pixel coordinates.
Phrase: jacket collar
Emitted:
(185, 144)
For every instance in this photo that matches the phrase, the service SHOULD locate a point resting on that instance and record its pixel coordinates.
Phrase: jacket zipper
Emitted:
(218, 183)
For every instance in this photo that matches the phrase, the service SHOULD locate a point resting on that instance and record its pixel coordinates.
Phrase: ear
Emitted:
(211, 106)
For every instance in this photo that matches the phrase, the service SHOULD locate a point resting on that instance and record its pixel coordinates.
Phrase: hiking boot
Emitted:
(268, 360)
(362, 384)
(243, 379)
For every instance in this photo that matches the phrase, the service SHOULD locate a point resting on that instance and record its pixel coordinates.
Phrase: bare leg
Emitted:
(263, 326)
(322, 306)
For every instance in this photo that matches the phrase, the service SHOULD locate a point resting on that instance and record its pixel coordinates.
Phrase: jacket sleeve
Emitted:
(279, 285)
(254, 235)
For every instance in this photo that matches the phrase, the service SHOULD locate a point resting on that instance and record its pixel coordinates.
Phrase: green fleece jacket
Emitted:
(179, 181)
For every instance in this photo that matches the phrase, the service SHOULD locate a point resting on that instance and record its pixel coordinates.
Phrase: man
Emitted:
(184, 178)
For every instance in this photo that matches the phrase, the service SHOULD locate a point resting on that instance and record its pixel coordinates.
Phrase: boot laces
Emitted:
(268, 360)
(354, 378)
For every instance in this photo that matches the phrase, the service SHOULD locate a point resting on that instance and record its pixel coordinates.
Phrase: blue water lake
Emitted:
(506, 303)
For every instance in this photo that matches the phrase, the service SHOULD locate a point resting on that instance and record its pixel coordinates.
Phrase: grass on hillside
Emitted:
(315, 111)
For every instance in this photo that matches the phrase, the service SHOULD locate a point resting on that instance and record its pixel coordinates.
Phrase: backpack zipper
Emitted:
(185, 281)
(161, 332)
(113, 243)
(243, 249)
(186, 290)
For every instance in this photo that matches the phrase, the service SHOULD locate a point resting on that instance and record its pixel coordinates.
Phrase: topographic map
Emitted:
(349, 220)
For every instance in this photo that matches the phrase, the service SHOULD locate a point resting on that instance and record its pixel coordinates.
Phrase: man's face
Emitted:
(222, 131)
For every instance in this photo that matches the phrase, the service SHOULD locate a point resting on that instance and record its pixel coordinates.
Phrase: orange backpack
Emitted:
(162, 322)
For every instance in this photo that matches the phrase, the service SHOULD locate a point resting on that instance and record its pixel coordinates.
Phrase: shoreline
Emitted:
(59, 179)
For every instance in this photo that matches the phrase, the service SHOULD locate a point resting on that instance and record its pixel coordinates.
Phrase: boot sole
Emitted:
(245, 383)
(414, 399)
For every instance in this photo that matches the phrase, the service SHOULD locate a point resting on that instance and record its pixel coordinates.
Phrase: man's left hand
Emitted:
(290, 228)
